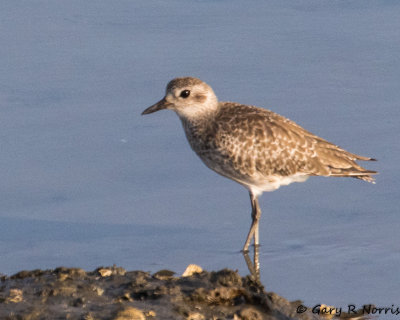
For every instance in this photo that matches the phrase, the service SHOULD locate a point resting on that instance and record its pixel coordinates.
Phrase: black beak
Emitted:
(160, 105)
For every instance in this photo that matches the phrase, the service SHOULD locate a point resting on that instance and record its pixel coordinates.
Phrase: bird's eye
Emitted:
(185, 93)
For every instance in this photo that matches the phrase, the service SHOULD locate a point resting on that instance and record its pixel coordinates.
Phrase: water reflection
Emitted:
(253, 266)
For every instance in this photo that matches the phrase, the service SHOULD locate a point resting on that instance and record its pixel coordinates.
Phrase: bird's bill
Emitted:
(160, 105)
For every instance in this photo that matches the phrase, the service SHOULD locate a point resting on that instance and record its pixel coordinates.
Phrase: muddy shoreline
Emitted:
(114, 293)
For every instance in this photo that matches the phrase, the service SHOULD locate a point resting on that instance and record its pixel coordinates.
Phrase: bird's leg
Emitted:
(257, 219)
(255, 215)
(254, 267)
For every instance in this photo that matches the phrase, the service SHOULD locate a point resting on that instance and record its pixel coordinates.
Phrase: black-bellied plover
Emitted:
(253, 146)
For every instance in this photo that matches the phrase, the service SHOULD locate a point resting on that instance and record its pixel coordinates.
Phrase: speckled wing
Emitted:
(256, 141)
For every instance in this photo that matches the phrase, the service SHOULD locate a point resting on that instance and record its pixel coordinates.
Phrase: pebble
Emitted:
(191, 270)
(130, 313)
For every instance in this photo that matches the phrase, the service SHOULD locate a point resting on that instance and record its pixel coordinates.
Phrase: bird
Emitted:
(256, 147)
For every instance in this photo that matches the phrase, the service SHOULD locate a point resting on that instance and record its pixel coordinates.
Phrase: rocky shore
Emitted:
(114, 293)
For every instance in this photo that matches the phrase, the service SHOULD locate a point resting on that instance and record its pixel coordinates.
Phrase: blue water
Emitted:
(87, 181)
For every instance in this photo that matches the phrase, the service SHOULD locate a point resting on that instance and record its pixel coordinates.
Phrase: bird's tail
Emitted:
(365, 175)
(355, 171)
(341, 163)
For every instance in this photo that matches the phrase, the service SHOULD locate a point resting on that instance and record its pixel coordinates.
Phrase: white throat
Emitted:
(199, 110)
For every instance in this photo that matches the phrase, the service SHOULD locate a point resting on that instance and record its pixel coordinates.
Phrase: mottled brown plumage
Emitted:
(255, 147)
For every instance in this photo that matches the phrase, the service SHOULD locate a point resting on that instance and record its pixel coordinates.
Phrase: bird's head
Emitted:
(189, 97)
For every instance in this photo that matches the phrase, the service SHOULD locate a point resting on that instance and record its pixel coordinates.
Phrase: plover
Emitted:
(253, 146)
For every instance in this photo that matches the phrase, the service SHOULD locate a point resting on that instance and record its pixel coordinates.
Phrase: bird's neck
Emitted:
(197, 127)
